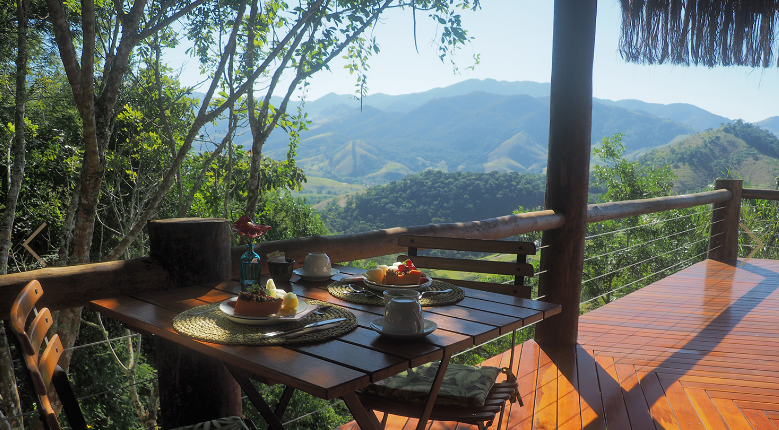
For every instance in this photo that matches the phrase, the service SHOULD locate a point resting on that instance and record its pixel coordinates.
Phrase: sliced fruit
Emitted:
(375, 275)
(289, 302)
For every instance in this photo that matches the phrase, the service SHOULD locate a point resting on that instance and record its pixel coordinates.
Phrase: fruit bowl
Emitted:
(383, 287)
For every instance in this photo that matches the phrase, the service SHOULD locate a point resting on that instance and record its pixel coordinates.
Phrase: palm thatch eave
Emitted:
(699, 32)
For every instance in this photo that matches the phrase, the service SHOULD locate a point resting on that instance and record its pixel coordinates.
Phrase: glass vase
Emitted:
(250, 267)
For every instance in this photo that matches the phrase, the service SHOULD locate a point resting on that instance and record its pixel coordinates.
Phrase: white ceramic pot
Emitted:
(403, 315)
(317, 264)
(391, 294)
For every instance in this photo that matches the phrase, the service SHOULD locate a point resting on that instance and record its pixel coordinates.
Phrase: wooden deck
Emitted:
(697, 350)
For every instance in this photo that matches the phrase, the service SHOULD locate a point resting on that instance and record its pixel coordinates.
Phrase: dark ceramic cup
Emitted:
(281, 272)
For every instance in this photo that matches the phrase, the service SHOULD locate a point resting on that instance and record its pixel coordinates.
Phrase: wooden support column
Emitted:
(193, 387)
(567, 175)
(725, 217)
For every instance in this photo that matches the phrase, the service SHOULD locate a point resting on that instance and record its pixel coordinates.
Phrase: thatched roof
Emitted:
(705, 32)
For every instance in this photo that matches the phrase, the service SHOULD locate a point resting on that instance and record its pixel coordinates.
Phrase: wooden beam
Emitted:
(72, 286)
(753, 193)
(628, 208)
(567, 183)
(375, 243)
(725, 216)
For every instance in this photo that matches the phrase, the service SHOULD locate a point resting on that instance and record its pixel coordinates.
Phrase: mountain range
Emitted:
(475, 125)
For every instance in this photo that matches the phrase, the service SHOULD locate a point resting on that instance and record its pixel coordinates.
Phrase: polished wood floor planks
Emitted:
(696, 350)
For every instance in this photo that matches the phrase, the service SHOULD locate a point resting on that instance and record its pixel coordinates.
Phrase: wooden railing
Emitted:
(77, 285)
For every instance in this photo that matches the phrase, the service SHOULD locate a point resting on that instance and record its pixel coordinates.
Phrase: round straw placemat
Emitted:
(341, 290)
(209, 324)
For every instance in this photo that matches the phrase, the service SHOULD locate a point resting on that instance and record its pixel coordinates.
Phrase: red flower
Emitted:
(247, 228)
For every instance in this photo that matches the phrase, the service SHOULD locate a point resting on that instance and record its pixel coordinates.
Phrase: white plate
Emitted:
(308, 277)
(378, 325)
(228, 308)
(382, 287)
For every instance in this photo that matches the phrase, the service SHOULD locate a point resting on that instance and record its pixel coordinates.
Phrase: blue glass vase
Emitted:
(250, 267)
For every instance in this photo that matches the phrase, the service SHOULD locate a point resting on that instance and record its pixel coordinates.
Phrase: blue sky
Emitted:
(514, 40)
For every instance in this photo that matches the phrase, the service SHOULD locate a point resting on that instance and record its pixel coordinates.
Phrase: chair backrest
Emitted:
(519, 268)
(43, 369)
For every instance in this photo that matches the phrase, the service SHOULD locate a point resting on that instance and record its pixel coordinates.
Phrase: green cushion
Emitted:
(229, 423)
(463, 385)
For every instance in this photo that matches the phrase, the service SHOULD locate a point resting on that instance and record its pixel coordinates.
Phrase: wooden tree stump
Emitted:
(193, 387)
(192, 250)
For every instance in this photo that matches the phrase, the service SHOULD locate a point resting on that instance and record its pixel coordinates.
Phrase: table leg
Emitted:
(274, 422)
(439, 379)
(365, 419)
(284, 401)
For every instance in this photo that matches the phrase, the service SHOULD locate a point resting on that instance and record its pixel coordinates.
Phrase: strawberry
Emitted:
(401, 268)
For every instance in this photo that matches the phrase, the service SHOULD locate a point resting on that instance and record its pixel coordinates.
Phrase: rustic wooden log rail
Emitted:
(77, 285)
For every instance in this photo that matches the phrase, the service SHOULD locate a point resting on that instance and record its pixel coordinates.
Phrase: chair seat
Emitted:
(228, 423)
(468, 394)
(463, 385)
(497, 396)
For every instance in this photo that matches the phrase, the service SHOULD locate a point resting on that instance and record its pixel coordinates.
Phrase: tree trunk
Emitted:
(8, 387)
(570, 125)
(17, 171)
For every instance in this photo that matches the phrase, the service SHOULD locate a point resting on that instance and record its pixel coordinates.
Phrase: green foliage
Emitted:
(739, 148)
(626, 254)
(101, 382)
(761, 140)
(625, 180)
(434, 196)
(289, 216)
(322, 417)
(758, 231)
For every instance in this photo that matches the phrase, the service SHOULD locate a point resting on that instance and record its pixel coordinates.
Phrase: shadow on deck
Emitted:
(696, 350)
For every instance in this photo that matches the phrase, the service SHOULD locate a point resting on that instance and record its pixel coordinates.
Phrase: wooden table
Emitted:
(337, 367)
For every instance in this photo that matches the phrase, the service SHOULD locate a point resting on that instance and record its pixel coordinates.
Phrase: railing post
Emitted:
(567, 177)
(193, 387)
(725, 217)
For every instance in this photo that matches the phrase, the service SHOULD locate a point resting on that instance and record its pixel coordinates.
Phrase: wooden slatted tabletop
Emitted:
(336, 367)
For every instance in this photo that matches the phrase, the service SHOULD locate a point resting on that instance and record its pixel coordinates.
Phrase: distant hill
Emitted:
(409, 102)
(682, 113)
(742, 149)
(435, 197)
(478, 131)
(771, 124)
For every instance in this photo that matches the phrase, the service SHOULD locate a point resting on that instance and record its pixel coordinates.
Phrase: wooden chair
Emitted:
(43, 369)
(500, 393)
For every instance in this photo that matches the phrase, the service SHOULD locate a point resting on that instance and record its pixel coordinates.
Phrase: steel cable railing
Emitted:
(645, 252)
(655, 257)
(645, 277)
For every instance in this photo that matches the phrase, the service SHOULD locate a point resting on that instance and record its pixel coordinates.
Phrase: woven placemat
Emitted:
(340, 289)
(208, 323)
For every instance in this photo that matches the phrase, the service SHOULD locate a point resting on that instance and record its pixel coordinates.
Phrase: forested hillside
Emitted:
(434, 196)
(476, 132)
(738, 149)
